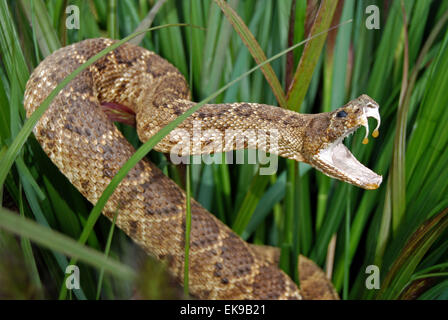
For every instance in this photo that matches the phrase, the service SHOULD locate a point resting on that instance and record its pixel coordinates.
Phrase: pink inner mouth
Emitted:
(118, 113)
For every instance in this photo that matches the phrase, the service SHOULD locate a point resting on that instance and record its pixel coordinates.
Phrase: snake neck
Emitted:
(224, 127)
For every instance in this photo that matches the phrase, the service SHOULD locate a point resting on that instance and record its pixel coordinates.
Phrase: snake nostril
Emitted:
(341, 114)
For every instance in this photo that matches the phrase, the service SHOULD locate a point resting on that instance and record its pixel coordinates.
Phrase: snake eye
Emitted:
(341, 114)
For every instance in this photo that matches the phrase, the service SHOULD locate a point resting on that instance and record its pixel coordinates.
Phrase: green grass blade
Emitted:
(397, 173)
(255, 50)
(106, 253)
(58, 242)
(28, 251)
(252, 198)
(272, 196)
(112, 28)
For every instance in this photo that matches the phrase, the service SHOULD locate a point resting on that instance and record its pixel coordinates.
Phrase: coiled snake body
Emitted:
(88, 149)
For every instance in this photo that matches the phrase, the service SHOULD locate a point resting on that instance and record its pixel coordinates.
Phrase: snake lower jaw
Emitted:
(338, 162)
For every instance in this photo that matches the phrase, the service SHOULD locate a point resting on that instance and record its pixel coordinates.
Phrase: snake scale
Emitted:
(88, 149)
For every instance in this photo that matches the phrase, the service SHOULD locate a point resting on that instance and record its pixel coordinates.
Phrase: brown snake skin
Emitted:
(88, 149)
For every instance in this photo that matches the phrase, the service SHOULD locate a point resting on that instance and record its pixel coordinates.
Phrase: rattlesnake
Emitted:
(88, 149)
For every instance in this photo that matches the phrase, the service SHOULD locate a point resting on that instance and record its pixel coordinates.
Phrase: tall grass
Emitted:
(401, 227)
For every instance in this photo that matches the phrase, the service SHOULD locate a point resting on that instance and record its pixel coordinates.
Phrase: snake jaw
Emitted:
(336, 160)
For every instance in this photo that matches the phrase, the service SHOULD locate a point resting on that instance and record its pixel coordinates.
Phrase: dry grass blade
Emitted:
(45, 34)
(290, 55)
(412, 253)
(146, 23)
(312, 7)
(310, 56)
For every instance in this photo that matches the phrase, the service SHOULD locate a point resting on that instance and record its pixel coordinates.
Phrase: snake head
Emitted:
(328, 152)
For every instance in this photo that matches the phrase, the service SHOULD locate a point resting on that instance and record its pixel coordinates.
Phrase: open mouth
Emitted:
(338, 162)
